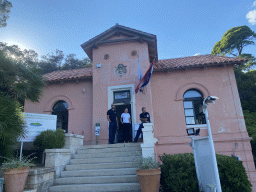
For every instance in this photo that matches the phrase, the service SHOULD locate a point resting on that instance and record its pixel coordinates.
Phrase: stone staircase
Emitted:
(101, 168)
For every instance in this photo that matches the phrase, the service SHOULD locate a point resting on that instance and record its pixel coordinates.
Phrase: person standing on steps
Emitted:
(113, 124)
(126, 122)
(145, 118)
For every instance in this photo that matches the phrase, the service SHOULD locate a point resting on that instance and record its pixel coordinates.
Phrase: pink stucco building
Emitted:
(81, 97)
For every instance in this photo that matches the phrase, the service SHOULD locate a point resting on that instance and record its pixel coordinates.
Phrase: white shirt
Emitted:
(125, 117)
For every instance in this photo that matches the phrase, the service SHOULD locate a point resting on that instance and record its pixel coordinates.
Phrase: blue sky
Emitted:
(183, 27)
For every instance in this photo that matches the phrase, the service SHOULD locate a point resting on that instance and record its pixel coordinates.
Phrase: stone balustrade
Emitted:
(72, 142)
(39, 179)
(58, 158)
(148, 145)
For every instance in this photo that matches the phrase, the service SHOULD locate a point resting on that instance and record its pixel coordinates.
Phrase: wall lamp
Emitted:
(191, 131)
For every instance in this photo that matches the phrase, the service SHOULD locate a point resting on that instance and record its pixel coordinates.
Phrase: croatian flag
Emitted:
(146, 78)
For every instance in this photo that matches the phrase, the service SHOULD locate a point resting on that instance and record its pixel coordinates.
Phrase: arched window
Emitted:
(193, 102)
(61, 110)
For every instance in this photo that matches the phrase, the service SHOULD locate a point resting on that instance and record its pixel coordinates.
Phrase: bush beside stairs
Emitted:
(101, 168)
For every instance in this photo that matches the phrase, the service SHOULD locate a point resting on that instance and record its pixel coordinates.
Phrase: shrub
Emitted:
(232, 173)
(50, 139)
(178, 174)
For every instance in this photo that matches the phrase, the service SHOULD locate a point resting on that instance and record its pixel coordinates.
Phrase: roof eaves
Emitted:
(68, 79)
(87, 43)
(197, 65)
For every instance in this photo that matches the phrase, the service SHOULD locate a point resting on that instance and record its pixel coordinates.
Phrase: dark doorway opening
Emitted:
(61, 110)
(119, 111)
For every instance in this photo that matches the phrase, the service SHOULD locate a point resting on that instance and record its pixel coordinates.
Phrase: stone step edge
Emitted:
(99, 177)
(81, 151)
(100, 158)
(104, 154)
(102, 169)
(126, 162)
(92, 163)
(85, 158)
(99, 184)
(119, 145)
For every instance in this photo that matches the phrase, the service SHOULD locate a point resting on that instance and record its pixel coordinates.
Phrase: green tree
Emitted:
(5, 9)
(58, 61)
(29, 58)
(17, 83)
(246, 84)
(250, 121)
(11, 126)
(234, 40)
(51, 61)
(71, 62)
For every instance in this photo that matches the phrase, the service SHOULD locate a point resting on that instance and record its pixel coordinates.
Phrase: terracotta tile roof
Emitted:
(161, 65)
(195, 61)
(68, 74)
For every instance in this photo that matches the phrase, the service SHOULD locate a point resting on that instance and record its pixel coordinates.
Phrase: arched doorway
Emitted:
(61, 110)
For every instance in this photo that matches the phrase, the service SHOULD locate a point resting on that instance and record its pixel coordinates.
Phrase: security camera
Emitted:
(210, 99)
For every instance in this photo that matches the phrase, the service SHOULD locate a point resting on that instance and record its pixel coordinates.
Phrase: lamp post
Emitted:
(207, 100)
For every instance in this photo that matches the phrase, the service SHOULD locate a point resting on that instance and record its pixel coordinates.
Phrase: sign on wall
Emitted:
(97, 129)
(36, 123)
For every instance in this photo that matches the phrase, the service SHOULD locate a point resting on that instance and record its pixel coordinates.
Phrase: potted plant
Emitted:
(15, 173)
(148, 173)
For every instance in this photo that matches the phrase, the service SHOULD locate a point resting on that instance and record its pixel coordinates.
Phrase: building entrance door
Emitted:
(123, 96)
(119, 110)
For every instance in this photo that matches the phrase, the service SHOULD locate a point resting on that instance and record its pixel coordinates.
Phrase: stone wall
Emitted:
(40, 179)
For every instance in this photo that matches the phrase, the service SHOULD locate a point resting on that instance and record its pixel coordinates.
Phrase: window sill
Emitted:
(200, 126)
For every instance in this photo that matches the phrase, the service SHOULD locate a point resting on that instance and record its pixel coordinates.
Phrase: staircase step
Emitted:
(128, 187)
(110, 150)
(103, 160)
(101, 166)
(112, 155)
(96, 180)
(120, 145)
(99, 172)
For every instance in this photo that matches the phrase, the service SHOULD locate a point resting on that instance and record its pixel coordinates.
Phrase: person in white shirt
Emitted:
(126, 122)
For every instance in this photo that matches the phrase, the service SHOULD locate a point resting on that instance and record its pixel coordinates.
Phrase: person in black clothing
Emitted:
(145, 118)
(113, 124)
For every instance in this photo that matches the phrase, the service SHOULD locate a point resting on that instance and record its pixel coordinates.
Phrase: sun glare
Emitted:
(13, 56)
(22, 47)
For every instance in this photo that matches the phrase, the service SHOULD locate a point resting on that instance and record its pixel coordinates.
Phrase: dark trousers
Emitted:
(112, 132)
(139, 132)
(126, 131)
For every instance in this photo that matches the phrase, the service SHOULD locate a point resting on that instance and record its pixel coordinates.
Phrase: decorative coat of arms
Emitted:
(120, 69)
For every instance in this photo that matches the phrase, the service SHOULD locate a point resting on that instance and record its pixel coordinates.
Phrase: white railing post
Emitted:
(148, 145)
